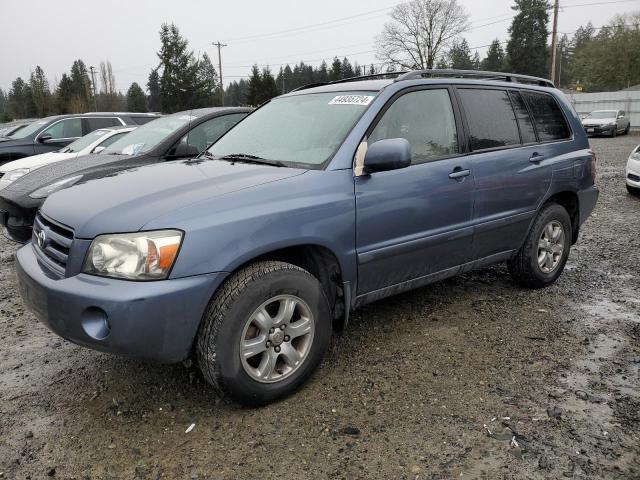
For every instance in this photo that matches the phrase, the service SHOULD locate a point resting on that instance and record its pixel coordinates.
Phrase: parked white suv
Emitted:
(633, 172)
(606, 122)
(93, 142)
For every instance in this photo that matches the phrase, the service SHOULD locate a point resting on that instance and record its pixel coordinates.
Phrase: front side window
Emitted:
(208, 132)
(492, 121)
(549, 119)
(425, 119)
(69, 128)
(298, 130)
(84, 142)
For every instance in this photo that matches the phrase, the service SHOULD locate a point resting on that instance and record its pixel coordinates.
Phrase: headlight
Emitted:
(45, 191)
(134, 256)
(13, 175)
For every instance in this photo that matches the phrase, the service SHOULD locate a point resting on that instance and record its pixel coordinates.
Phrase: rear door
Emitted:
(91, 124)
(415, 221)
(510, 171)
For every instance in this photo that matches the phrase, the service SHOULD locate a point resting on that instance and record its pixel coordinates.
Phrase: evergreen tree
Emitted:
(64, 94)
(179, 78)
(322, 75)
(476, 61)
(494, 61)
(460, 56)
(269, 89)
(208, 89)
(153, 85)
(18, 98)
(40, 93)
(254, 93)
(81, 87)
(336, 69)
(136, 99)
(442, 64)
(527, 47)
(5, 114)
(372, 70)
(347, 69)
(236, 93)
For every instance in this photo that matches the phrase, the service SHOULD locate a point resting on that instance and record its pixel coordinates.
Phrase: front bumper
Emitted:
(155, 321)
(632, 173)
(599, 130)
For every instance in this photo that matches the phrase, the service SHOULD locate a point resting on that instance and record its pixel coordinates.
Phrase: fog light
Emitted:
(95, 323)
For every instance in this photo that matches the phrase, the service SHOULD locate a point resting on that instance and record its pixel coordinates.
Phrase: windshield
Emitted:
(301, 129)
(85, 141)
(148, 136)
(29, 129)
(603, 114)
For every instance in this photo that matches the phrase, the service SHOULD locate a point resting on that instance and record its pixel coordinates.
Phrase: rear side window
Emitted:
(492, 122)
(425, 119)
(548, 117)
(527, 132)
(96, 123)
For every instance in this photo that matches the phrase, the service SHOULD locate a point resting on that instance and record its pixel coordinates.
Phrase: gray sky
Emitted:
(52, 35)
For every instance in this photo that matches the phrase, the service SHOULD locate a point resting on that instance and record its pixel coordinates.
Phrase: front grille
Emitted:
(633, 178)
(52, 242)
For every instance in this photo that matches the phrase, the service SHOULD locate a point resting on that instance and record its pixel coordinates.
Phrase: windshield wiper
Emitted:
(247, 158)
(206, 153)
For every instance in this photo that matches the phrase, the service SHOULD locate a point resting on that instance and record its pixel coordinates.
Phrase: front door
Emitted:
(415, 221)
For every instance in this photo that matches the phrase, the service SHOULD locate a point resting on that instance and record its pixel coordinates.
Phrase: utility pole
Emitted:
(554, 41)
(220, 45)
(93, 81)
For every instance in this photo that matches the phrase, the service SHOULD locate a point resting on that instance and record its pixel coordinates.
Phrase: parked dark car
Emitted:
(181, 135)
(52, 133)
(10, 129)
(320, 201)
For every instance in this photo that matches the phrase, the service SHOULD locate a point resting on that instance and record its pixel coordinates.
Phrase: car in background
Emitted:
(633, 172)
(94, 142)
(53, 133)
(8, 130)
(606, 122)
(181, 135)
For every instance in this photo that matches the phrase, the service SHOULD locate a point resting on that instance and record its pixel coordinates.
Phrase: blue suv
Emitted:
(322, 200)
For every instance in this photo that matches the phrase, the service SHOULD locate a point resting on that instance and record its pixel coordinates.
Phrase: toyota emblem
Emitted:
(41, 237)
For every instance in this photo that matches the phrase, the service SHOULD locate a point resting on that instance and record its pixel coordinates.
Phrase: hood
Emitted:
(36, 161)
(598, 121)
(127, 200)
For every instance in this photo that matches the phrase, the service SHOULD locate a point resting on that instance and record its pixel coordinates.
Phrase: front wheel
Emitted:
(544, 254)
(264, 333)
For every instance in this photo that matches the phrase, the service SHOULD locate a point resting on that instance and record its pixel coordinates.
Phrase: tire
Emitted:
(633, 190)
(614, 132)
(626, 130)
(525, 267)
(232, 318)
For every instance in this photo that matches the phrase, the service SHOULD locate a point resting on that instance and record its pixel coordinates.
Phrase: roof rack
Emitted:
(478, 74)
(350, 79)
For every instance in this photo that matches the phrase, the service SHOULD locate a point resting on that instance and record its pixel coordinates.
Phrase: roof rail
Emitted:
(478, 74)
(350, 79)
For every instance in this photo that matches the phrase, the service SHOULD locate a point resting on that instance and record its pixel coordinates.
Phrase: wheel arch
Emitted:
(571, 203)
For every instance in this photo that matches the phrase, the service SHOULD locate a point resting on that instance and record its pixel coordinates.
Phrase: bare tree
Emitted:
(107, 79)
(419, 32)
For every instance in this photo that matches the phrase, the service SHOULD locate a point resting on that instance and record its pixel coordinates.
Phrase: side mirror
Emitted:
(389, 154)
(99, 149)
(45, 138)
(620, 116)
(184, 150)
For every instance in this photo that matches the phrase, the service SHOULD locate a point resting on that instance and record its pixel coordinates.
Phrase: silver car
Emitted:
(606, 122)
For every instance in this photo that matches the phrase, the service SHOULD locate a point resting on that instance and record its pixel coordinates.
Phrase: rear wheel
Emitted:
(264, 333)
(544, 254)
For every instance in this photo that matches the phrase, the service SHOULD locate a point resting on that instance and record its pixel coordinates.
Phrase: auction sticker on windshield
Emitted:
(351, 100)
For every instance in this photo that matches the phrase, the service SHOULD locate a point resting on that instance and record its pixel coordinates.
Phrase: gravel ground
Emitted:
(472, 377)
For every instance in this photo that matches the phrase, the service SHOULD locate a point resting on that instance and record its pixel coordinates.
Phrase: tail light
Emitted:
(593, 166)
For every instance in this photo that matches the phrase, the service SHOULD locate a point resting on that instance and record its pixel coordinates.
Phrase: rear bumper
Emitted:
(155, 321)
(587, 199)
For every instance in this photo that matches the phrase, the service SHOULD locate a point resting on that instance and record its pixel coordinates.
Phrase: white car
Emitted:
(93, 142)
(633, 172)
(606, 122)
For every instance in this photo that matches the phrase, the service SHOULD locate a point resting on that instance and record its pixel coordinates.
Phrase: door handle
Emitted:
(459, 173)
(536, 157)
